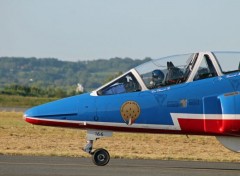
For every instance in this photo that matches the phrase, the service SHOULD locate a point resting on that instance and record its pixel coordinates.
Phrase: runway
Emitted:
(61, 166)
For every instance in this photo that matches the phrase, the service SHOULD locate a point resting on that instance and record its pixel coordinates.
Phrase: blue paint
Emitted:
(155, 106)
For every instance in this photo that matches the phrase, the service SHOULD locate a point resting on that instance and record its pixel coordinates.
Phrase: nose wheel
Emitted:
(100, 157)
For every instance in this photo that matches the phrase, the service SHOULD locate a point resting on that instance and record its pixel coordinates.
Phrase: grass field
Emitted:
(20, 138)
(20, 101)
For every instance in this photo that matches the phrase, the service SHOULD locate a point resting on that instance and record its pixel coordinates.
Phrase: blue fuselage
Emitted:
(201, 107)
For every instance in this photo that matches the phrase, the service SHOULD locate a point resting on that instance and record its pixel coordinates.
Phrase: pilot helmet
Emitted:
(157, 75)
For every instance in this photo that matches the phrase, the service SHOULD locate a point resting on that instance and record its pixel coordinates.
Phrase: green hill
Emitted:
(50, 73)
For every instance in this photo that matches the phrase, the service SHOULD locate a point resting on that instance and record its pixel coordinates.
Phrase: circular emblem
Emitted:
(130, 111)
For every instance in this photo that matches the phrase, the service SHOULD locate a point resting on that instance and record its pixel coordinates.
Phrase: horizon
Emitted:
(59, 59)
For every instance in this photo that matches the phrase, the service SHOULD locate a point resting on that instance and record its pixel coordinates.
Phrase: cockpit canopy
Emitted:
(172, 70)
(175, 69)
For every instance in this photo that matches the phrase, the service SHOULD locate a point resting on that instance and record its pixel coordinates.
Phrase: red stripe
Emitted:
(212, 126)
(188, 126)
(52, 123)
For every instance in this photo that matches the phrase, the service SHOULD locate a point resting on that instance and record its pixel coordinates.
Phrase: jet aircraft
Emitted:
(189, 94)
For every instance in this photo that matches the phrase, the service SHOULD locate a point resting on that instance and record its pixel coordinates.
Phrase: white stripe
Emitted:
(144, 126)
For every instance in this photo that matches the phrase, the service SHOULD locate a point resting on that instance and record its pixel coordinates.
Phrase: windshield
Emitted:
(124, 84)
(166, 71)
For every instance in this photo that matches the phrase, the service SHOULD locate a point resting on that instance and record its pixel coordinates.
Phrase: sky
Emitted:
(101, 29)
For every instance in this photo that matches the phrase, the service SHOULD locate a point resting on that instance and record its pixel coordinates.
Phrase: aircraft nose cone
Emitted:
(67, 112)
(57, 110)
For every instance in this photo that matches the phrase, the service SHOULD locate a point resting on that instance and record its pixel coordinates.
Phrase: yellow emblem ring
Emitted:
(130, 111)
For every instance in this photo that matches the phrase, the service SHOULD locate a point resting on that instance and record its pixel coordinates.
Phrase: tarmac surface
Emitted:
(61, 166)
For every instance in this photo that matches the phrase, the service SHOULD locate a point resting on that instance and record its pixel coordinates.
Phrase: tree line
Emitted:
(51, 77)
(33, 91)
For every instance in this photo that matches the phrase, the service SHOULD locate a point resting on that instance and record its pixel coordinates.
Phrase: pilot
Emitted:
(157, 79)
(174, 74)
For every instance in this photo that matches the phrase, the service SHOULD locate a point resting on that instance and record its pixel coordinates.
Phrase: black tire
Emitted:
(100, 157)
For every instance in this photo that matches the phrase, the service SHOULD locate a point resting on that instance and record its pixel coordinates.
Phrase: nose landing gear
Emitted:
(100, 157)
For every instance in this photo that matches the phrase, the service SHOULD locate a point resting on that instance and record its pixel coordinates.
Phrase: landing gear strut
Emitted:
(100, 157)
